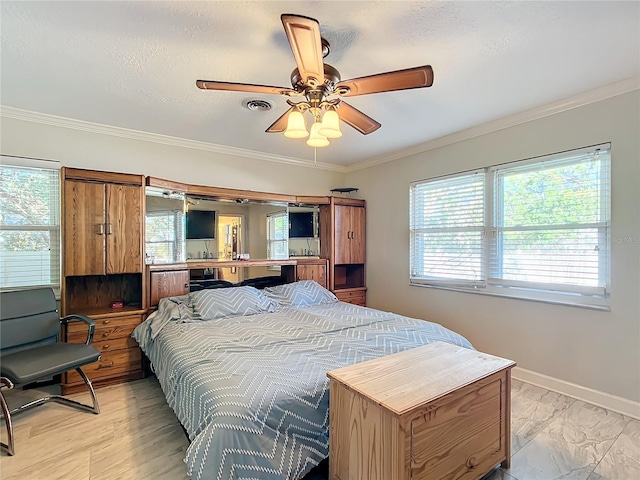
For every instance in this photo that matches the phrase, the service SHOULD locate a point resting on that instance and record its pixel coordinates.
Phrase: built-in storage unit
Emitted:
(428, 413)
(102, 235)
(308, 269)
(171, 281)
(342, 241)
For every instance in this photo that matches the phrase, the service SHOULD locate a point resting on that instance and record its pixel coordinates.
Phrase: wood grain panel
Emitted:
(124, 229)
(106, 324)
(83, 231)
(437, 412)
(168, 284)
(460, 436)
(318, 273)
(110, 364)
(342, 229)
(357, 246)
(102, 177)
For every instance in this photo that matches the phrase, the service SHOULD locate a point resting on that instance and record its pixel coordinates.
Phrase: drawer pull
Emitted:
(106, 322)
(105, 334)
(105, 347)
(105, 365)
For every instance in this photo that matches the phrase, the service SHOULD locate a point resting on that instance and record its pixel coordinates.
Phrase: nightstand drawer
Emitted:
(101, 323)
(104, 333)
(357, 297)
(110, 364)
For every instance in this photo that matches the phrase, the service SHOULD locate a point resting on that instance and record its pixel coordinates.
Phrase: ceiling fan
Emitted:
(318, 87)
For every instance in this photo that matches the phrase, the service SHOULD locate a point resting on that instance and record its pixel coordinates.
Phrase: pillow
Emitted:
(230, 302)
(300, 294)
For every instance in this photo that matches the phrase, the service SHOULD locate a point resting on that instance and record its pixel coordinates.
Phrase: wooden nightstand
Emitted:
(430, 413)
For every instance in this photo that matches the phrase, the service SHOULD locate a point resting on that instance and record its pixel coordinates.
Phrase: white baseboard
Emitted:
(596, 397)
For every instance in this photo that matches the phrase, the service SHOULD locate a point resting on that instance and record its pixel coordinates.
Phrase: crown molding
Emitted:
(63, 122)
(602, 93)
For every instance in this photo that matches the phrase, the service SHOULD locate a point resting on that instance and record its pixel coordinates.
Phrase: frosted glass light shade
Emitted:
(295, 126)
(330, 127)
(315, 139)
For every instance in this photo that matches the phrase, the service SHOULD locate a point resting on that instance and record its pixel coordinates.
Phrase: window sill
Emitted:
(567, 300)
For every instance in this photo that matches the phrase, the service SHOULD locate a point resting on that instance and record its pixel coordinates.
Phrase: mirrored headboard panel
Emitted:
(164, 226)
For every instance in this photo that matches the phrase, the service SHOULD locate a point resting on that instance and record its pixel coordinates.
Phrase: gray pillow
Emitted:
(300, 294)
(230, 302)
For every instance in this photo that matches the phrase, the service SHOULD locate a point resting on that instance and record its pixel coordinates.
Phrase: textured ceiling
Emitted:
(134, 64)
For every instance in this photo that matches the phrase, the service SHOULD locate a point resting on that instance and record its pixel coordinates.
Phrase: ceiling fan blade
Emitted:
(243, 87)
(280, 125)
(303, 34)
(417, 77)
(356, 119)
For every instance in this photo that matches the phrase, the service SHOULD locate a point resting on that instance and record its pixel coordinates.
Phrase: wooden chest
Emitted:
(437, 412)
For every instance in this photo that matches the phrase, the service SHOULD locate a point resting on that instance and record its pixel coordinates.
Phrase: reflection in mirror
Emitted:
(165, 226)
(304, 240)
(256, 230)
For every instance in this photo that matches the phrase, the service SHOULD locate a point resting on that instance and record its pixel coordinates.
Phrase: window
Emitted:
(29, 223)
(278, 235)
(535, 229)
(164, 236)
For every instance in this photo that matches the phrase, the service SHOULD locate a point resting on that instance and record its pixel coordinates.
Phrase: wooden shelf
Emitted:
(191, 264)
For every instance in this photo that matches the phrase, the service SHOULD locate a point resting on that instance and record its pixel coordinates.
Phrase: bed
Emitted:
(245, 371)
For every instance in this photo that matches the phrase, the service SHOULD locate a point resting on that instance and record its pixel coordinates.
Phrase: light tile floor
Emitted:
(136, 436)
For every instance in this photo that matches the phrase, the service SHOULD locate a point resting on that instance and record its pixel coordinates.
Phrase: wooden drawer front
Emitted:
(115, 344)
(357, 297)
(105, 323)
(110, 364)
(103, 334)
(461, 435)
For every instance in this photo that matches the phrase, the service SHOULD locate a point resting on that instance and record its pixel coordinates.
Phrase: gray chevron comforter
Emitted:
(251, 390)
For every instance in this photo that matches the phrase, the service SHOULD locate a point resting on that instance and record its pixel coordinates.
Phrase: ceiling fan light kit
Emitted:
(319, 89)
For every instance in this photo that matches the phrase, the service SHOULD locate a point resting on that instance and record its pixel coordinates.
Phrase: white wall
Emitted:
(81, 149)
(594, 349)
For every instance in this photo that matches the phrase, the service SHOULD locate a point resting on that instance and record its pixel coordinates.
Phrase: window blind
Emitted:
(29, 223)
(278, 235)
(551, 224)
(537, 229)
(165, 236)
(447, 223)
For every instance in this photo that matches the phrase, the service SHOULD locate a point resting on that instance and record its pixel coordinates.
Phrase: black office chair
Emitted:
(30, 350)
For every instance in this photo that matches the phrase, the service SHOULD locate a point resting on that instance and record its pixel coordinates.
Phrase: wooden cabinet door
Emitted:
(342, 234)
(84, 228)
(168, 284)
(124, 229)
(356, 245)
(312, 272)
(349, 234)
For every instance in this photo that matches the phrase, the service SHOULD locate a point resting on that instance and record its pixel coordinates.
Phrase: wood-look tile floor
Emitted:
(136, 436)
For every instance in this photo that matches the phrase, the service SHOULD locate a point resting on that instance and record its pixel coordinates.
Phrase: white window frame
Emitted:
(53, 261)
(591, 296)
(272, 241)
(176, 245)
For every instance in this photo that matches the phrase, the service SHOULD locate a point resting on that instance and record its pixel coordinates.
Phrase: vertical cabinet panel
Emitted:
(349, 234)
(168, 284)
(357, 245)
(84, 228)
(124, 229)
(318, 273)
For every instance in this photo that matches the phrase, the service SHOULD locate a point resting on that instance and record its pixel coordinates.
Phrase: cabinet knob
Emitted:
(105, 365)
(106, 322)
(105, 347)
(105, 334)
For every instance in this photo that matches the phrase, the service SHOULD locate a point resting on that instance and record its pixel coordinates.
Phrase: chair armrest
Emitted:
(5, 382)
(90, 323)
